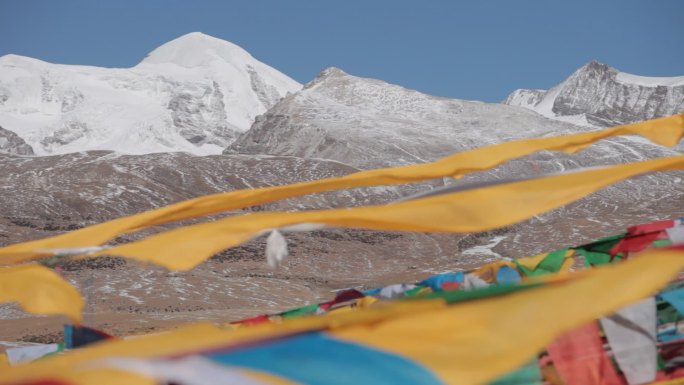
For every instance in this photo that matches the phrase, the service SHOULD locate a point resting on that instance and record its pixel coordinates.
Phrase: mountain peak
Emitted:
(600, 95)
(13, 60)
(197, 49)
(595, 66)
(327, 75)
(331, 72)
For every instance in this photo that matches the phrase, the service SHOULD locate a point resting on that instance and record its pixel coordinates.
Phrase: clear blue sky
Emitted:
(473, 49)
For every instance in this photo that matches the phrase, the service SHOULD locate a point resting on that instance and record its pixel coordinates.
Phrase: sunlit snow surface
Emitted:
(193, 94)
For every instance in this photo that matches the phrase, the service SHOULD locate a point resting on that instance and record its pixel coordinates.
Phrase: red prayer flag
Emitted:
(580, 359)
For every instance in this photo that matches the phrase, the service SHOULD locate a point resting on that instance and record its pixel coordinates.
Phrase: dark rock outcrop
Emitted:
(11, 143)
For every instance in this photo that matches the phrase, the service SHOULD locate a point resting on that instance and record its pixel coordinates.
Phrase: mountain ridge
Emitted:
(370, 123)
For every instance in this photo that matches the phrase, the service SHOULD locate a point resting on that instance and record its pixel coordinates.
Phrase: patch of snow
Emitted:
(125, 294)
(486, 249)
(649, 81)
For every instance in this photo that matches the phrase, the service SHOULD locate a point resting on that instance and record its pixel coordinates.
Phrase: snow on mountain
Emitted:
(600, 95)
(192, 94)
(369, 123)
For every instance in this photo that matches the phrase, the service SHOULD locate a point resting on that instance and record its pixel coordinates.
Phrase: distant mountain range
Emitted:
(197, 94)
(369, 123)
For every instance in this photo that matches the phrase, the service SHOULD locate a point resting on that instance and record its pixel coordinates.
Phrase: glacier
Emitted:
(193, 94)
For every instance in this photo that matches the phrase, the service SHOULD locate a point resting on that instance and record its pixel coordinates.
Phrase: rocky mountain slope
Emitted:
(11, 143)
(193, 94)
(600, 95)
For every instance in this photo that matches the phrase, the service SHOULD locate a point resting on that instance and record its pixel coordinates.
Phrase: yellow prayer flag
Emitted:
(40, 290)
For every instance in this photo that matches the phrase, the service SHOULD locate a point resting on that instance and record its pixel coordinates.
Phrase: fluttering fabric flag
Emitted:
(676, 234)
(489, 271)
(598, 252)
(472, 281)
(631, 333)
(579, 358)
(29, 353)
(341, 297)
(466, 343)
(507, 275)
(40, 290)
(437, 282)
(465, 211)
(276, 249)
(78, 336)
(529, 374)
(651, 227)
(186, 371)
(394, 291)
(551, 263)
(665, 131)
(676, 299)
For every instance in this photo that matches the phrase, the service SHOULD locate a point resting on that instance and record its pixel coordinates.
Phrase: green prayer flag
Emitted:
(413, 292)
(300, 311)
(529, 374)
(662, 243)
(603, 245)
(466, 295)
(550, 264)
(593, 258)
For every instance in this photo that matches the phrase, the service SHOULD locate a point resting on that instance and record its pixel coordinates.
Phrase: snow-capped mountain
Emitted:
(192, 94)
(369, 123)
(600, 95)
